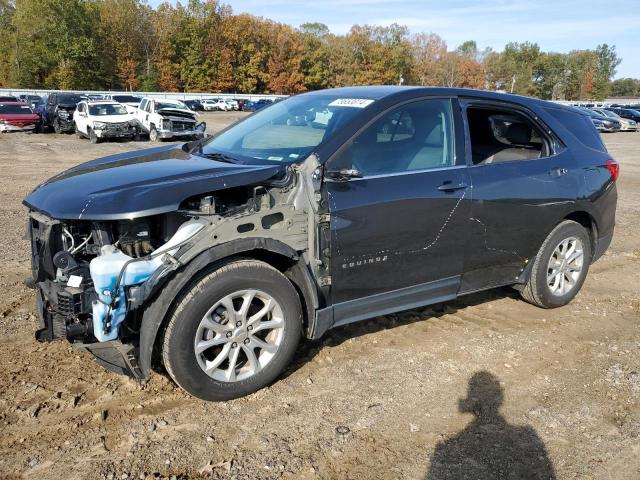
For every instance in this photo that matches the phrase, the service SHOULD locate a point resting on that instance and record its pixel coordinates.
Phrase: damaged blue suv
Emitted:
(215, 258)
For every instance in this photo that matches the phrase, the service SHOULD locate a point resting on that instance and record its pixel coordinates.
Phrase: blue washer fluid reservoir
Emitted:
(105, 269)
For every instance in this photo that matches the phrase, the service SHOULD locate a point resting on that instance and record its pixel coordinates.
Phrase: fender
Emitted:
(155, 313)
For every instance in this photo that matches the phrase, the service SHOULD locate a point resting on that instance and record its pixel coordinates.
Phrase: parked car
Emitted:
(57, 112)
(194, 105)
(233, 103)
(130, 101)
(602, 123)
(104, 119)
(214, 104)
(17, 117)
(626, 125)
(166, 119)
(628, 113)
(216, 257)
(33, 100)
(254, 106)
(8, 98)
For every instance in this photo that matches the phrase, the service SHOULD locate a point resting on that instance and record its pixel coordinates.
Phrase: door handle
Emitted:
(448, 186)
(558, 172)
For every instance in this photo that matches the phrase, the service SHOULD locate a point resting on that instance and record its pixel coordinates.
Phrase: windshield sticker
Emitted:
(293, 155)
(351, 102)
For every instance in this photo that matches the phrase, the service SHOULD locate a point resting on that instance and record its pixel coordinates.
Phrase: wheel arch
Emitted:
(273, 252)
(581, 217)
(588, 222)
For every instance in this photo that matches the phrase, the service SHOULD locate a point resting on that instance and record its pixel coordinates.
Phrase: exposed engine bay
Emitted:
(92, 276)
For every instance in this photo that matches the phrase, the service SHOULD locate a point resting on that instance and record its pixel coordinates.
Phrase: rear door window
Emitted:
(504, 135)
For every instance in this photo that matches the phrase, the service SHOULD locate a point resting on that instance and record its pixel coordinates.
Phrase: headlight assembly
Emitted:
(99, 125)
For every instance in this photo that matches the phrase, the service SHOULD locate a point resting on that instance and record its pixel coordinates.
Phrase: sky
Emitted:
(556, 25)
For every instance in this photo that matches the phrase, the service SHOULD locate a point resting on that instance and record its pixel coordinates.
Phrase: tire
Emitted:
(56, 126)
(195, 312)
(93, 138)
(153, 134)
(545, 287)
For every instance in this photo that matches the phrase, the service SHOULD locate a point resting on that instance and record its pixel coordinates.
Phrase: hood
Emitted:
(138, 184)
(67, 106)
(176, 110)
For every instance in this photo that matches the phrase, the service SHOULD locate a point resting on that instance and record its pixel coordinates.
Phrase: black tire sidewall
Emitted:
(184, 366)
(568, 229)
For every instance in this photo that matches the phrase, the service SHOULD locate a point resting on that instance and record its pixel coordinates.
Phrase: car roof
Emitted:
(379, 92)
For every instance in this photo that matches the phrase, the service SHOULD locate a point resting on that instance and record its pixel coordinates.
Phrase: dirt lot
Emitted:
(373, 400)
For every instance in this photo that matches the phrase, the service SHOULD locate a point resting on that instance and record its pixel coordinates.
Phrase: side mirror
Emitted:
(343, 175)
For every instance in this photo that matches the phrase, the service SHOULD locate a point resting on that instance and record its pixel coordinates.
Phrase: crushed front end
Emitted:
(88, 277)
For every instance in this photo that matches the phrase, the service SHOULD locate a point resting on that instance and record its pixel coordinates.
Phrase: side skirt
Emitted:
(385, 303)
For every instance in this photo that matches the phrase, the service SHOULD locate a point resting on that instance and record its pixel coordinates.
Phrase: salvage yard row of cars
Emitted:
(98, 117)
(614, 118)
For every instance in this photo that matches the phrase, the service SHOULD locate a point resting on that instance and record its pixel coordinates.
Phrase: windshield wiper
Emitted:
(220, 157)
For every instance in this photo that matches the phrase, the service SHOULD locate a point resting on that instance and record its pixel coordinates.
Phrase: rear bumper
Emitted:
(602, 245)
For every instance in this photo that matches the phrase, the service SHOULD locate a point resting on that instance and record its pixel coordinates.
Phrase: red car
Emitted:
(17, 116)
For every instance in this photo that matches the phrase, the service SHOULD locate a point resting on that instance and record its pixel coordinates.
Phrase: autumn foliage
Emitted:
(201, 46)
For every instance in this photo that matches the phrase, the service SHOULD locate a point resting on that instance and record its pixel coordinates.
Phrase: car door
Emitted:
(145, 113)
(51, 106)
(81, 117)
(397, 195)
(524, 183)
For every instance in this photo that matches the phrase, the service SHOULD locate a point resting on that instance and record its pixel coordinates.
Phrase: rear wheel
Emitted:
(560, 267)
(233, 332)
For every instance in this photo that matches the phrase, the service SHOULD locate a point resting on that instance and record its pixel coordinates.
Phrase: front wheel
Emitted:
(93, 138)
(233, 332)
(56, 126)
(153, 134)
(560, 267)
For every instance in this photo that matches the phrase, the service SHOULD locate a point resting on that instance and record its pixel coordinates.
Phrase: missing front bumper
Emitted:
(116, 356)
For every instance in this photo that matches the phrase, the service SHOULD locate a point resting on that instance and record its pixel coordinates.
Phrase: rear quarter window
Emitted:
(580, 127)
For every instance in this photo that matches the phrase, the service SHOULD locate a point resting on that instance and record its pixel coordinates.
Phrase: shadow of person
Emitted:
(489, 448)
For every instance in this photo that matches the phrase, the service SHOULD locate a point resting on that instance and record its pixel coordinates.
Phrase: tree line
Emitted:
(202, 46)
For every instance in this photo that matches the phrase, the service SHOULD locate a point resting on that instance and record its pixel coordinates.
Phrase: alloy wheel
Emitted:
(239, 335)
(565, 266)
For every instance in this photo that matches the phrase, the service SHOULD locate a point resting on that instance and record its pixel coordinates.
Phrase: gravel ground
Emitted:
(487, 384)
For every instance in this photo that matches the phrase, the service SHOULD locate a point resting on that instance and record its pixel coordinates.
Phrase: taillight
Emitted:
(614, 169)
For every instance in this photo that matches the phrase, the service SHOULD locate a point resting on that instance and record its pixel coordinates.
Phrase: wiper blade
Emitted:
(220, 157)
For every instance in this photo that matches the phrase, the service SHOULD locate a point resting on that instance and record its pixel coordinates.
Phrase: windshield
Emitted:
(107, 109)
(609, 113)
(69, 99)
(287, 131)
(15, 109)
(125, 98)
(160, 105)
